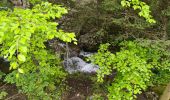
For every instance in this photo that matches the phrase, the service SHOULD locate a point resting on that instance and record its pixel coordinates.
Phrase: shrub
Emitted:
(23, 33)
(134, 64)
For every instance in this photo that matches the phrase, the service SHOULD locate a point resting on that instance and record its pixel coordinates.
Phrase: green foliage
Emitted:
(161, 78)
(133, 64)
(139, 5)
(100, 59)
(167, 11)
(1, 75)
(3, 94)
(111, 5)
(4, 4)
(36, 1)
(23, 33)
(125, 22)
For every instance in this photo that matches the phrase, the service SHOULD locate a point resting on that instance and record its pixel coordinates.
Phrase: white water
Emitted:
(76, 64)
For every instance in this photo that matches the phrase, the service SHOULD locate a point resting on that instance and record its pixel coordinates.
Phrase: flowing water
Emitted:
(76, 64)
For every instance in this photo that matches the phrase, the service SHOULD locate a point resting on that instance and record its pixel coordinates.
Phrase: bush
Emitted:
(23, 33)
(134, 64)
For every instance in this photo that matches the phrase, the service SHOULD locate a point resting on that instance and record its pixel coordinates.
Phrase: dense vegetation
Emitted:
(134, 65)
(131, 38)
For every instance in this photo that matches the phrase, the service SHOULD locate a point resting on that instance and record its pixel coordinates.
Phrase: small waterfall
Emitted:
(73, 58)
(76, 64)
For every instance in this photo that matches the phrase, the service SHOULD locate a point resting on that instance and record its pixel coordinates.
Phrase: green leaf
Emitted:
(23, 49)
(20, 70)
(75, 43)
(1, 34)
(17, 75)
(14, 65)
(17, 30)
(123, 3)
(21, 58)
(12, 50)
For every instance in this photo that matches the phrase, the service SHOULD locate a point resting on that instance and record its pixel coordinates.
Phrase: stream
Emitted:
(77, 64)
(71, 65)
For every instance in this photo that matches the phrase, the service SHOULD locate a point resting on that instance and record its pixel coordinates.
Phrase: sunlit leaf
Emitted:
(21, 58)
(20, 70)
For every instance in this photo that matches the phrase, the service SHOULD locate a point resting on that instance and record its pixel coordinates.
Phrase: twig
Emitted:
(3, 86)
(12, 97)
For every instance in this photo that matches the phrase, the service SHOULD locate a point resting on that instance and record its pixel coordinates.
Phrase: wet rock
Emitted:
(152, 96)
(4, 65)
(85, 54)
(90, 42)
(74, 50)
(64, 49)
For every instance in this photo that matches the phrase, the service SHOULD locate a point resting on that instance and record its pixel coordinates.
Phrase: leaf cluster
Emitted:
(23, 33)
(134, 65)
(139, 5)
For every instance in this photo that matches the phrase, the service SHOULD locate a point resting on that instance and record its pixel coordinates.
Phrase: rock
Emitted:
(90, 42)
(74, 50)
(4, 65)
(85, 54)
(64, 49)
